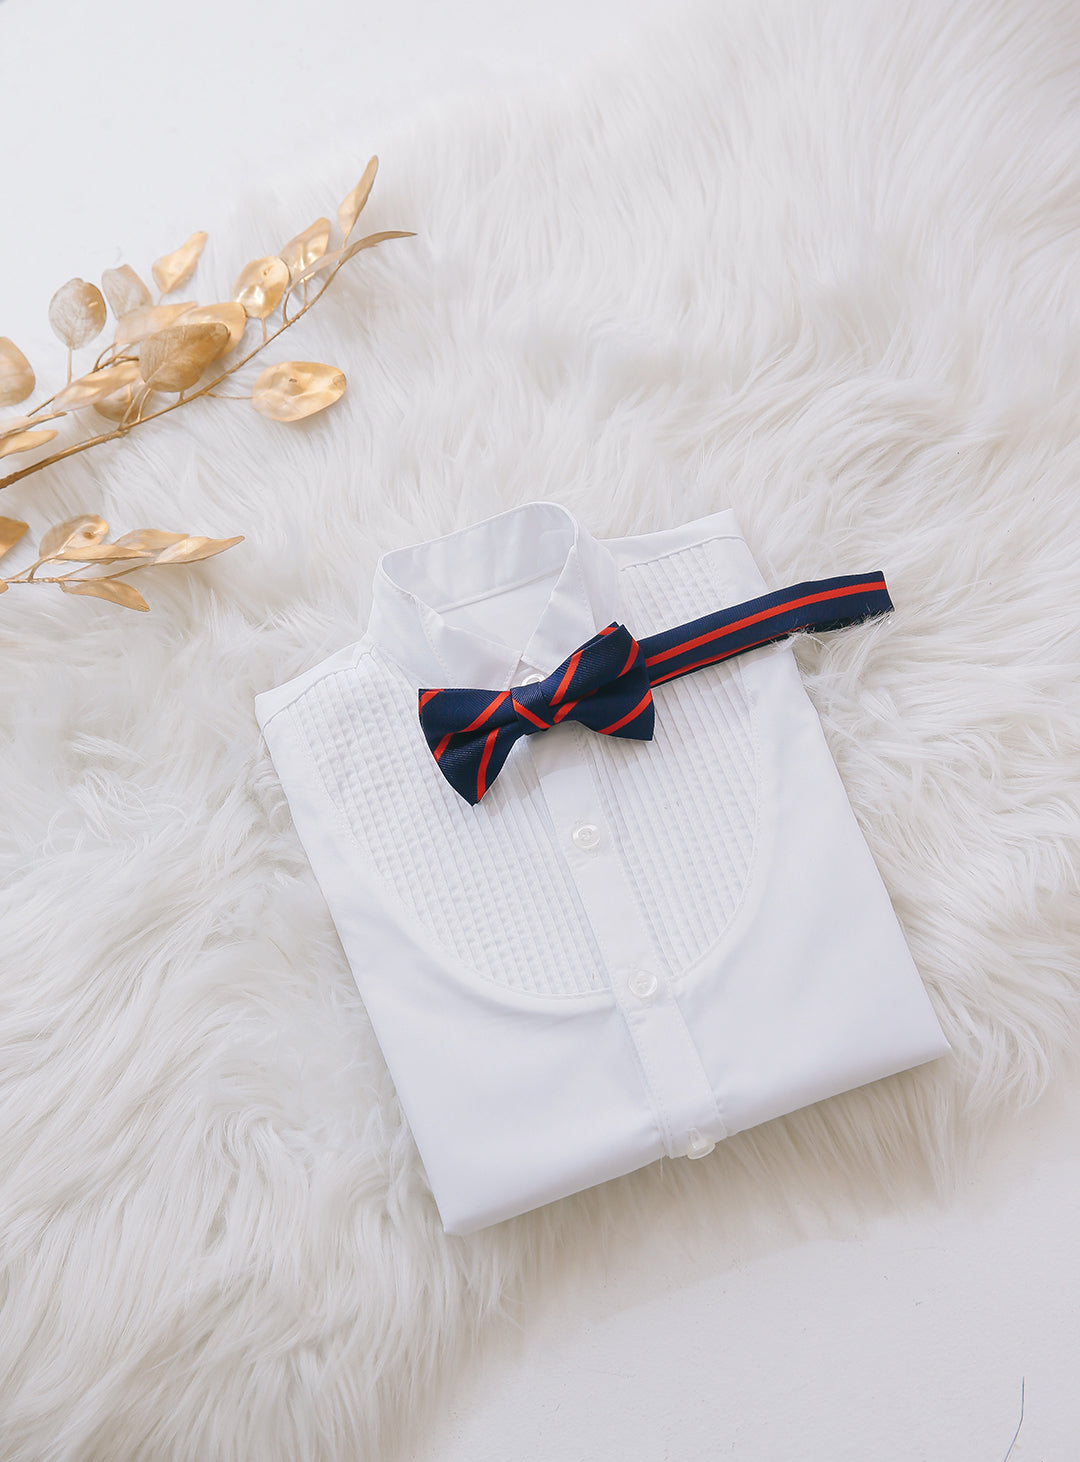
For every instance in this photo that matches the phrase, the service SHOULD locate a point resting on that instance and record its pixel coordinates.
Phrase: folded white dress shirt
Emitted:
(628, 949)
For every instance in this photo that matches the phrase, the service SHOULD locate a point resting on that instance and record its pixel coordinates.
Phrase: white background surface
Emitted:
(896, 1336)
(890, 1339)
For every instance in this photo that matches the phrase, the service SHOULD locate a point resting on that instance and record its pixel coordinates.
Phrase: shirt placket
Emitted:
(681, 1095)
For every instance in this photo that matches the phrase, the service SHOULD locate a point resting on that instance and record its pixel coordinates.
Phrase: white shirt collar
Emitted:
(416, 588)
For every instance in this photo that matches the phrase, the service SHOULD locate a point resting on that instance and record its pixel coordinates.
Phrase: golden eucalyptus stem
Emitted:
(42, 405)
(26, 577)
(27, 574)
(52, 416)
(140, 420)
(103, 352)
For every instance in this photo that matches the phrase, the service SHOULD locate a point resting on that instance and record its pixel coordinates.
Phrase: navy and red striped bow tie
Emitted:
(607, 683)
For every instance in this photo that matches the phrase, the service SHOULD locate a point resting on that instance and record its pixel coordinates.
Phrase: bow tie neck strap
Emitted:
(817, 605)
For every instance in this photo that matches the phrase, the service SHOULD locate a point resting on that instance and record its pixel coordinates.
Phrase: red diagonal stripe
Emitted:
(763, 614)
(443, 744)
(481, 775)
(630, 715)
(425, 696)
(489, 711)
(569, 706)
(575, 659)
(713, 659)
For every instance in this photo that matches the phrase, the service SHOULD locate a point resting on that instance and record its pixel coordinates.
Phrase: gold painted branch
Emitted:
(82, 543)
(173, 350)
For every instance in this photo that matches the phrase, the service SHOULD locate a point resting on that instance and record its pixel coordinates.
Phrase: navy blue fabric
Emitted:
(606, 683)
(818, 604)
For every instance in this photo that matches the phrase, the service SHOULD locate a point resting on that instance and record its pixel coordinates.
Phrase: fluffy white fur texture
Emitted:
(819, 262)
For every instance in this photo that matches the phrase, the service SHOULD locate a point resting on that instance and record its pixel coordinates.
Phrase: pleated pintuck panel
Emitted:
(684, 805)
(489, 882)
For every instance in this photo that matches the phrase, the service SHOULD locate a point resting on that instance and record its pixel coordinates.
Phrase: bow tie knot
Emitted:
(604, 685)
(532, 706)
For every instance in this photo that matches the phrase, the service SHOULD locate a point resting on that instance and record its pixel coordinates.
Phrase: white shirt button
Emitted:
(586, 835)
(698, 1145)
(643, 984)
(533, 678)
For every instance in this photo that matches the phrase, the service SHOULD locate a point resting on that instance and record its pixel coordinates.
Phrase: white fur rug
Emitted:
(818, 262)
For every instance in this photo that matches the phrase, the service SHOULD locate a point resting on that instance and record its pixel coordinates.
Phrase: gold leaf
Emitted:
(15, 423)
(11, 530)
(174, 359)
(172, 269)
(114, 590)
(350, 208)
(296, 388)
(3, 586)
(77, 312)
(308, 246)
(96, 553)
(149, 540)
(148, 320)
(16, 373)
(228, 313)
(119, 404)
(370, 240)
(340, 256)
(24, 441)
(190, 550)
(260, 285)
(125, 291)
(73, 533)
(89, 388)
